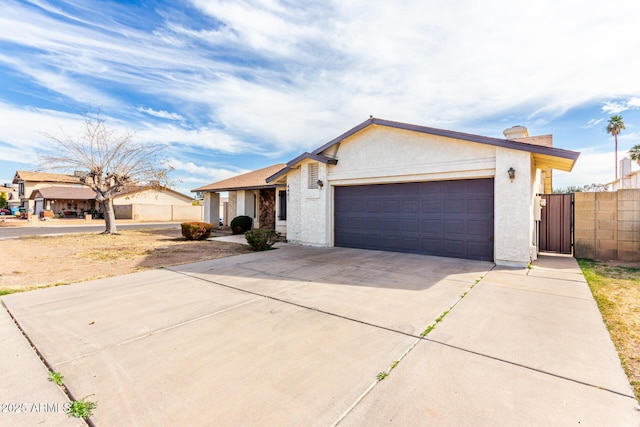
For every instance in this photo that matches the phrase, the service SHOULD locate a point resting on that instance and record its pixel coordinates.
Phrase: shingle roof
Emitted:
(45, 177)
(64, 193)
(248, 181)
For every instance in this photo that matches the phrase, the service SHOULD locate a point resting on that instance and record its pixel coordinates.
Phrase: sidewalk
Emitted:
(27, 396)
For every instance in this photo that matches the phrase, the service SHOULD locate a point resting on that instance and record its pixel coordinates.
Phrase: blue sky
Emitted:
(231, 86)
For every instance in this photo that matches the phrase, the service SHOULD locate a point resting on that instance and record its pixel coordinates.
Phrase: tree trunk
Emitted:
(616, 138)
(109, 217)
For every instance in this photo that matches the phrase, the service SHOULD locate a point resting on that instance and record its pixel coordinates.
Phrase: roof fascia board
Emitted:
(219, 190)
(301, 157)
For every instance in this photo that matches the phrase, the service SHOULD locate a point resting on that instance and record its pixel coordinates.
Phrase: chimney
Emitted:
(516, 132)
(625, 167)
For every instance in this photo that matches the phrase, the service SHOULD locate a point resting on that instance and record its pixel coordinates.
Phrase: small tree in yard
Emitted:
(3, 200)
(110, 161)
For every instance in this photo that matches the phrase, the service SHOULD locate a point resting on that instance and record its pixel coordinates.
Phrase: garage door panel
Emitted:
(480, 205)
(454, 228)
(431, 206)
(455, 206)
(374, 205)
(446, 218)
(411, 225)
(478, 227)
(431, 226)
(431, 246)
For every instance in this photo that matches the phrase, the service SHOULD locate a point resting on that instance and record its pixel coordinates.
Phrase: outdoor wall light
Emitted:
(320, 183)
(512, 174)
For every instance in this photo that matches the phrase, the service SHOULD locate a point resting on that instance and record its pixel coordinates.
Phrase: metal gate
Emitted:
(555, 233)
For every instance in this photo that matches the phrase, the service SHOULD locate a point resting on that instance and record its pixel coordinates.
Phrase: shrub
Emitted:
(261, 240)
(241, 224)
(196, 230)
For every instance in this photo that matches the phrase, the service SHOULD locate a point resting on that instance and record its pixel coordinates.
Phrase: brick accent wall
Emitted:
(607, 225)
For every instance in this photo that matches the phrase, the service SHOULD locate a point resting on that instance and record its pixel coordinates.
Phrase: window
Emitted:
(313, 176)
(21, 189)
(282, 205)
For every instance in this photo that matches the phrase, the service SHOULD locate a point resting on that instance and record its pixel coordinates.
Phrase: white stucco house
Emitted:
(400, 187)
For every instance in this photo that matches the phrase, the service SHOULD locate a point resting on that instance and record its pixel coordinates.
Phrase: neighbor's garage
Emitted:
(443, 218)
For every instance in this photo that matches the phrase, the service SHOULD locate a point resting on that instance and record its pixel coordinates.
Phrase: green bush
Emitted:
(261, 240)
(196, 230)
(241, 224)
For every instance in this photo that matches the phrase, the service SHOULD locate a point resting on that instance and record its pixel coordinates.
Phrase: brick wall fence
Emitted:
(607, 225)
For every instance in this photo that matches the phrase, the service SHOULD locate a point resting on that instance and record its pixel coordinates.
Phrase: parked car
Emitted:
(5, 211)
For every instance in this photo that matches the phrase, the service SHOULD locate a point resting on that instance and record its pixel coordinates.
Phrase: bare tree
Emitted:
(110, 161)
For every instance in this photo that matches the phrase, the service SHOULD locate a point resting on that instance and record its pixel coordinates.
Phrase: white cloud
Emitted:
(161, 114)
(593, 122)
(617, 107)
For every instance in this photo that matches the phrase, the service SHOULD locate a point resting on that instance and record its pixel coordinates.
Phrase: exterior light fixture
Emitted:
(320, 183)
(512, 174)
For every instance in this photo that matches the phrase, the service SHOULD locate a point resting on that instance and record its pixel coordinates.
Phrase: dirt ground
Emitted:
(35, 262)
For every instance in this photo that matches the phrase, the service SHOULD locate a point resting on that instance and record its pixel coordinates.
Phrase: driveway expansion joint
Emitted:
(273, 298)
(520, 365)
(157, 331)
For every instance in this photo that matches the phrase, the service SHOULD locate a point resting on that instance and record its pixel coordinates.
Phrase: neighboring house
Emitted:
(628, 179)
(29, 182)
(399, 187)
(151, 196)
(153, 204)
(65, 195)
(250, 195)
(65, 201)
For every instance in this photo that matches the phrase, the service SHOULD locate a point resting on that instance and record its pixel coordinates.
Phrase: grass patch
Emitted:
(82, 408)
(56, 377)
(616, 290)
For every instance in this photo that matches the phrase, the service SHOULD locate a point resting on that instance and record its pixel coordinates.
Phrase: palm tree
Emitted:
(634, 153)
(614, 127)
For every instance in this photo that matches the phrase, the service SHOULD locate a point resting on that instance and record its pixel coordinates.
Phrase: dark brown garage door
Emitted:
(443, 218)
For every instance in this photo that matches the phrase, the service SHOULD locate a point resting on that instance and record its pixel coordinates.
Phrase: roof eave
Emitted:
(313, 156)
(219, 190)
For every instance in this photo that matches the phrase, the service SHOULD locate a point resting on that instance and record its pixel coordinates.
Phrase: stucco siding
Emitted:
(294, 208)
(513, 208)
(380, 155)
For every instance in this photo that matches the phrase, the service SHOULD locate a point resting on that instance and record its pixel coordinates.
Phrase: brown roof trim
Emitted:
(292, 163)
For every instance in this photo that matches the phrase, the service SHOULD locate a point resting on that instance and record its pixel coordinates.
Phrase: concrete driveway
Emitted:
(298, 336)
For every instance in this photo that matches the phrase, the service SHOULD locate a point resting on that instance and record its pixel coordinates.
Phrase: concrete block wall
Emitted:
(607, 225)
(629, 225)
